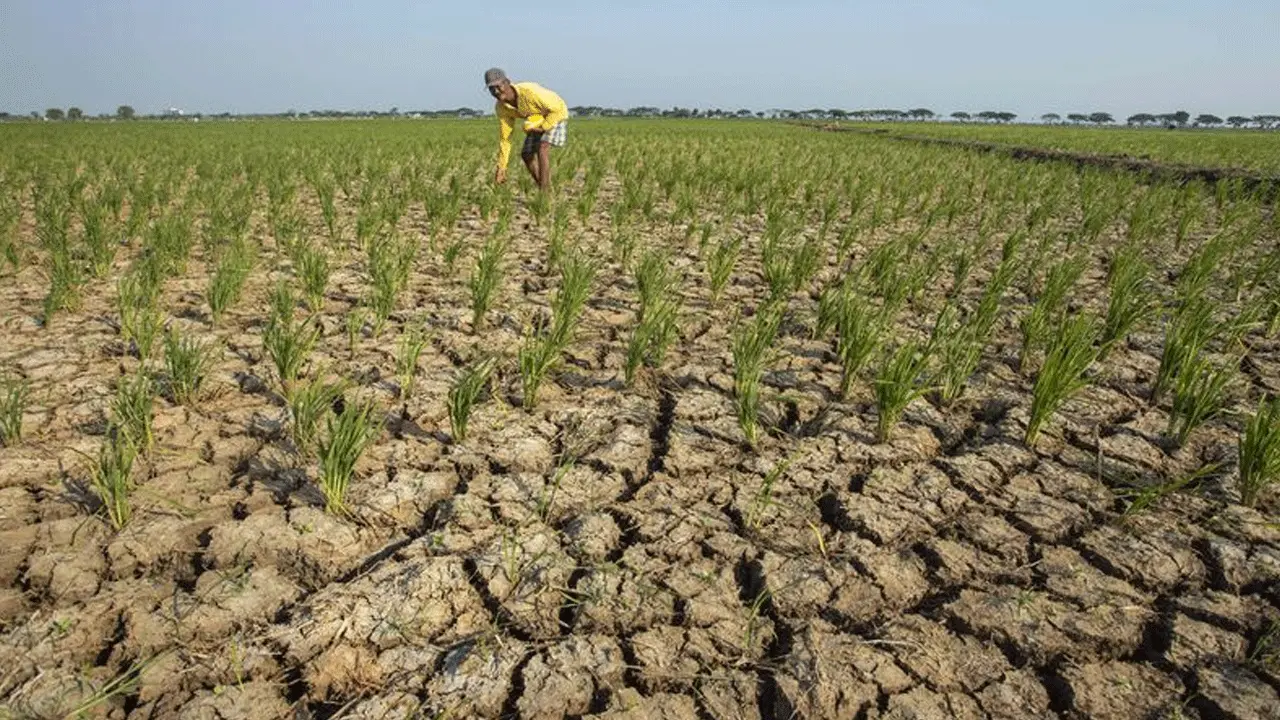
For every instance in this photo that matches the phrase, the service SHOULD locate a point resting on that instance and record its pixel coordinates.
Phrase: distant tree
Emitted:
(961, 116)
(1051, 118)
(1267, 122)
(1141, 119)
(921, 114)
(1004, 117)
(1077, 117)
(54, 114)
(1207, 119)
(1101, 118)
(75, 113)
(1238, 121)
(1179, 118)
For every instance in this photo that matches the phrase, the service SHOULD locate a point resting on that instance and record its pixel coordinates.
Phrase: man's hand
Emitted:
(501, 177)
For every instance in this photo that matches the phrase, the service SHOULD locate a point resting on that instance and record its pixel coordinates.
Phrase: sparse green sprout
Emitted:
(465, 393)
(112, 478)
(859, 328)
(763, 499)
(721, 262)
(349, 434)
(1199, 394)
(13, 405)
(486, 279)
(313, 269)
(133, 409)
(900, 381)
(308, 404)
(1259, 447)
(1132, 299)
(412, 343)
(187, 362)
(354, 324)
(751, 355)
(1070, 353)
(289, 343)
(1045, 315)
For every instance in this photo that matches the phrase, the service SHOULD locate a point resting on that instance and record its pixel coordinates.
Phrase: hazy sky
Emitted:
(1025, 56)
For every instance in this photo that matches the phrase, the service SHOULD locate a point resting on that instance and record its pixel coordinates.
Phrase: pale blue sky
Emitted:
(1025, 56)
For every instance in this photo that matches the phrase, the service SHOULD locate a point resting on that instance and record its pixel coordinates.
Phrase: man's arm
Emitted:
(505, 122)
(554, 110)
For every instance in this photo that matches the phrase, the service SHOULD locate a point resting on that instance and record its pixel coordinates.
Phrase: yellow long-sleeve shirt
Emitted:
(531, 99)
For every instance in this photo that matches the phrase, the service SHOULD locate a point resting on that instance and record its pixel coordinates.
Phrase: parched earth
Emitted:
(669, 573)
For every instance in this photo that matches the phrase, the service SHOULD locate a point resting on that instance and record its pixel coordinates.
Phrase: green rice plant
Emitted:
(289, 343)
(14, 393)
(1071, 351)
(959, 342)
(389, 265)
(65, 279)
(229, 277)
(99, 237)
(140, 318)
(654, 280)
(112, 478)
(1199, 395)
(281, 304)
(1144, 498)
(831, 303)
(486, 279)
(308, 404)
(1132, 298)
(1190, 331)
(804, 263)
(720, 264)
(537, 355)
(314, 271)
(349, 434)
(859, 329)
(763, 499)
(654, 332)
(354, 325)
(133, 410)
(751, 355)
(1259, 447)
(409, 350)
(465, 392)
(1045, 313)
(901, 380)
(577, 273)
(187, 363)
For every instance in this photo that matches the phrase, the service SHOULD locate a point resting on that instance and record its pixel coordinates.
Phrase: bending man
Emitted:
(545, 116)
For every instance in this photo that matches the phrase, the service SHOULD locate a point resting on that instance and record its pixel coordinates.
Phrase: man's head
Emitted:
(499, 85)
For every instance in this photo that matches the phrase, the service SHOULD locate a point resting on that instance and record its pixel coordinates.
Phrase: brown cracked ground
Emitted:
(951, 572)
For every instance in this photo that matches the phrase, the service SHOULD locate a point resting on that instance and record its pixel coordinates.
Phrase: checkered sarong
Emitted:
(555, 137)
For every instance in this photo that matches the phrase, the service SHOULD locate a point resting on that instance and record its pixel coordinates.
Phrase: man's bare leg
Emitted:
(531, 162)
(544, 165)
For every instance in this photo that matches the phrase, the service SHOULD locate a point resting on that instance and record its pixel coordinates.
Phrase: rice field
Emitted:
(744, 420)
(1254, 150)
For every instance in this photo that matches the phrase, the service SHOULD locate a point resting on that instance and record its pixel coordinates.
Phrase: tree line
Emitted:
(1180, 118)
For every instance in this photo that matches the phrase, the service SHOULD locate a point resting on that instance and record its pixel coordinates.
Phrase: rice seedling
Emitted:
(577, 273)
(65, 278)
(751, 355)
(1045, 313)
(859, 329)
(389, 265)
(901, 380)
(14, 393)
(132, 410)
(187, 363)
(547, 499)
(99, 237)
(140, 318)
(485, 279)
(1132, 299)
(465, 392)
(289, 343)
(228, 279)
(1190, 330)
(537, 355)
(1199, 394)
(1259, 448)
(1071, 351)
(652, 336)
(720, 264)
(112, 478)
(308, 404)
(349, 434)
(313, 269)
(412, 343)
(354, 323)
(281, 304)
(763, 499)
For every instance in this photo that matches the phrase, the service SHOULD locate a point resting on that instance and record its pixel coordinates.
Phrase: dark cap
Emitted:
(493, 76)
